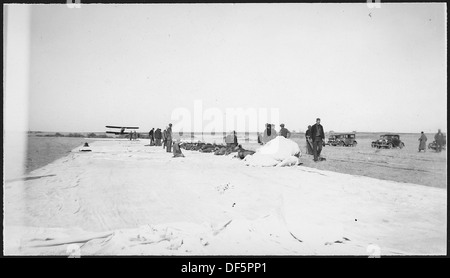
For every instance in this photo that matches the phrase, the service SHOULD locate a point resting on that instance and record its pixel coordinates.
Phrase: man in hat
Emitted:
(439, 138)
(151, 136)
(309, 140)
(317, 136)
(423, 142)
(164, 137)
(169, 138)
(157, 136)
(284, 131)
(235, 141)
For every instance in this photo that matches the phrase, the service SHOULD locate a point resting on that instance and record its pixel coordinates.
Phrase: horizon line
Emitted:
(225, 132)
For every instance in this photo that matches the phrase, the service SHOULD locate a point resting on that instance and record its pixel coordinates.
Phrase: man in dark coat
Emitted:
(235, 141)
(309, 148)
(152, 139)
(317, 136)
(423, 142)
(164, 138)
(158, 137)
(439, 138)
(169, 138)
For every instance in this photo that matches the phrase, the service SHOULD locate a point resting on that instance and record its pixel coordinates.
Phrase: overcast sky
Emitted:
(354, 67)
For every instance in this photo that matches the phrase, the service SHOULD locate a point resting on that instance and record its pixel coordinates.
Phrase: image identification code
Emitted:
(228, 267)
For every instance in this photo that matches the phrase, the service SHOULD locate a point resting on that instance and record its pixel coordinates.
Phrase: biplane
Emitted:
(122, 129)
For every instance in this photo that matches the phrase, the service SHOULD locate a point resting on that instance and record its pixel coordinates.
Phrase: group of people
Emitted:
(315, 140)
(270, 133)
(161, 138)
(155, 137)
(133, 135)
(165, 139)
(315, 137)
(439, 140)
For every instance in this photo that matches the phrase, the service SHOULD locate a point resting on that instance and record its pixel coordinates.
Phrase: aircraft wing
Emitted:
(127, 127)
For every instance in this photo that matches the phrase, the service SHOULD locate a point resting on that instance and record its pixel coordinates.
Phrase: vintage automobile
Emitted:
(347, 140)
(332, 140)
(342, 139)
(388, 141)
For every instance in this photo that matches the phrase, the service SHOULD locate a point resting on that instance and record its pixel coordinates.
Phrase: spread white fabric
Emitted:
(279, 152)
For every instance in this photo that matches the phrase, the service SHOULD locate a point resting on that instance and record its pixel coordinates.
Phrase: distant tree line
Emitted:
(76, 135)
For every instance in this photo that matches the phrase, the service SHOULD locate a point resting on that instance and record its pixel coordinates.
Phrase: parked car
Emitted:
(343, 139)
(388, 141)
(332, 139)
(347, 140)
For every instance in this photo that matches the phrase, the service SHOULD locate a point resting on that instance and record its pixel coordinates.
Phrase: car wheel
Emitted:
(401, 145)
(390, 145)
(354, 144)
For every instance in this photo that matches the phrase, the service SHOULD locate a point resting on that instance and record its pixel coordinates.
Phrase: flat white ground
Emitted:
(128, 198)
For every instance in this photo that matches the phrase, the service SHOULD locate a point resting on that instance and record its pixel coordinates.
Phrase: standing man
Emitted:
(284, 131)
(152, 139)
(164, 137)
(439, 138)
(423, 142)
(317, 135)
(169, 138)
(309, 148)
(157, 136)
(235, 141)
